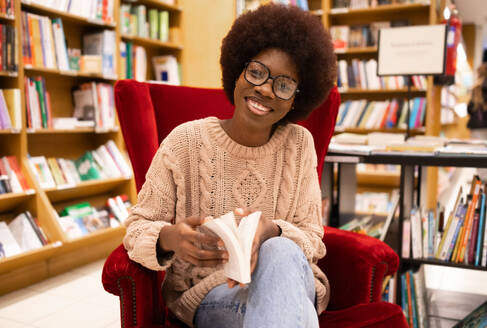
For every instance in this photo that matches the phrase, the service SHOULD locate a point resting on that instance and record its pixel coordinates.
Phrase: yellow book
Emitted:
(448, 224)
(457, 245)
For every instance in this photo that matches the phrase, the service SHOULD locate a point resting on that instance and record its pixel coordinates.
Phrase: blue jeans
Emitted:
(281, 294)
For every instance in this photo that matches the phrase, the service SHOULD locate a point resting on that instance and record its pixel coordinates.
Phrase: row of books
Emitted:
(246, 5)
(104, 162)
(461, 239)
(37, 103)
(359, 36)
(10, 109)
(90, 9)
(138, 21)
(8, 49)
(133, 60)
(362, 74)
(414, 298)
(44, 45)
(23, 233)
(11, 177)
(81, 219)
(360, 4)
(381, 114)
(7, 7)
(94, 102)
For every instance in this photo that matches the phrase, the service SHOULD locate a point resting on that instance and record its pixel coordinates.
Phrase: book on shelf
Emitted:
(102, 44)
(362, 75)
(361, 4)
(166, 69)
(476, 318)
(90, 9)
(8, 244)
(238, 239)
(10, 109)
(95, 102)
(459, 239)
(26, 232)
(8, 49)
(138, 20)
(133, 61)
(414, 298)
(81, 219)
(38, 104)
(7, 7)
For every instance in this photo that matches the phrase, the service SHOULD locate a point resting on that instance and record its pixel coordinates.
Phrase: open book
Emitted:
(238, 242)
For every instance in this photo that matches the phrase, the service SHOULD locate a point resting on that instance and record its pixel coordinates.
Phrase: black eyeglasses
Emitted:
(283, 86)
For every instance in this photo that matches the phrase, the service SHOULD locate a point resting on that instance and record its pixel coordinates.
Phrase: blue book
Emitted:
(431, 234)
(346, 106)
(463, 211)
(414, 112)
(404, 297)
(414, 302)
(480, 235)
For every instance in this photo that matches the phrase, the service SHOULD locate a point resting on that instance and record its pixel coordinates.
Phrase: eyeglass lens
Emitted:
(257, 74)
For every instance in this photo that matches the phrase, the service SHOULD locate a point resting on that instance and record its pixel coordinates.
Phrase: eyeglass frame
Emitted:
(270, 77)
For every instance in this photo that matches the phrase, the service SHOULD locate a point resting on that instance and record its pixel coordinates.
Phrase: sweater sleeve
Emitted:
(305, 226)
(153, 211)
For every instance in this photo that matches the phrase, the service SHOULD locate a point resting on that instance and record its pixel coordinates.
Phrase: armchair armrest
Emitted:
(355, 265)
(141, 303)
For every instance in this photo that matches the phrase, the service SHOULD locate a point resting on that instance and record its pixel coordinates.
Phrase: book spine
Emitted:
(473, 238)
(481, 235)
(469, 222)
(35, 227)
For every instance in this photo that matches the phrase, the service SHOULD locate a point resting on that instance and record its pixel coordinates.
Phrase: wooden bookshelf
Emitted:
(6, 18)
(147, 42)
(357, 50)
(62, 253)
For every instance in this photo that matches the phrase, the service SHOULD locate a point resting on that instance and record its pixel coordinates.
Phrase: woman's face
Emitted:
(257, 106)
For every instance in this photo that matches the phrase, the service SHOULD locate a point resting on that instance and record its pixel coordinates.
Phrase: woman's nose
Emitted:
(266, 89)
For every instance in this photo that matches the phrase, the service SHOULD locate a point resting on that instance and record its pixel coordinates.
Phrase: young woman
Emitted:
(278, 65)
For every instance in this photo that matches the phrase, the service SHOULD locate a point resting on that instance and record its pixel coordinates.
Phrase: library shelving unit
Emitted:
(410, 196)
(61, 253)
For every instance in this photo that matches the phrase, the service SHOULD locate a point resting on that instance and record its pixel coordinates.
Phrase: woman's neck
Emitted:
(246, 136)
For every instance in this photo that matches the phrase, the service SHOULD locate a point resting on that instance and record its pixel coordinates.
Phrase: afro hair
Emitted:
(294, 31)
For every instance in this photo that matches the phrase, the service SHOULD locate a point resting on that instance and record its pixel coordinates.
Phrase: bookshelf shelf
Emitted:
(12, 200)
(9, 131)
(8, 74)
(443, 263)
(355, 51)
(24, 259)
(30, 70)
(84, 189)
(382, 9)
(151, 43)
(160, 5)
(5, 17)
(402, 91)
(391, 130)
(66, 17)
(69, 131)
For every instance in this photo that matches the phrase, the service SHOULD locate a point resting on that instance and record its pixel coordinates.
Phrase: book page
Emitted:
(246, 232)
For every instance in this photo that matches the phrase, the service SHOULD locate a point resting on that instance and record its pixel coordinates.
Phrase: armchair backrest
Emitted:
(148, 112)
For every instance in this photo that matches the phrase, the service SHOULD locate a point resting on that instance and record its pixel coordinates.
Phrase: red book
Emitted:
(14, 165)
(472, 240)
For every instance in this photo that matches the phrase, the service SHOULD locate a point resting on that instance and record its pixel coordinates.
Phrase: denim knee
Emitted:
(280, 248)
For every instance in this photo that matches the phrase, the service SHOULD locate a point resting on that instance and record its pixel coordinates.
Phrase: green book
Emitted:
(153, 24)
(42, 100)
(164, 26)
(87, 168)
(77, 210)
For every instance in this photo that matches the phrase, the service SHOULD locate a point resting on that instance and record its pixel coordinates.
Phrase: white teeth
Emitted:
(258, 106)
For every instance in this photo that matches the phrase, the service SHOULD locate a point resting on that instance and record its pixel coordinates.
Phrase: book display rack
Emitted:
(410, 191)
(62, 252)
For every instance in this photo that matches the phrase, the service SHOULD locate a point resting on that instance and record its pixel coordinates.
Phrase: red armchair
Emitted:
(355, 264)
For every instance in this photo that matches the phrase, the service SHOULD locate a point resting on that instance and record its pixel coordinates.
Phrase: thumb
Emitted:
(194, 221)
(242, 211)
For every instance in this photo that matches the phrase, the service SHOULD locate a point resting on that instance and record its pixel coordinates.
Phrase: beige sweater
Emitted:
(199, 170)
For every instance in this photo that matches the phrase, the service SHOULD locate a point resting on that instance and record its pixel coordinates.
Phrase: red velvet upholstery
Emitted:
(355, 264)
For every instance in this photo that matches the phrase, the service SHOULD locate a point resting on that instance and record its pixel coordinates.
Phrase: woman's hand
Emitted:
(265, 230)
(191, 245)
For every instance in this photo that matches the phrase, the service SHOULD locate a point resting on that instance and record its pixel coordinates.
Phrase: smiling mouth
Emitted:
(256, 107)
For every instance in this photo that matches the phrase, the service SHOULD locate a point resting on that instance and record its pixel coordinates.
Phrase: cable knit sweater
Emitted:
(199, 170)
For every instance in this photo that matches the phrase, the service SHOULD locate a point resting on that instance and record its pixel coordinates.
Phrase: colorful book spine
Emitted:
(481, 235)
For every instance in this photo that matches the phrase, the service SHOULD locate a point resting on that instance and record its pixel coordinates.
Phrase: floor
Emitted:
(77, 299)
(73, 299)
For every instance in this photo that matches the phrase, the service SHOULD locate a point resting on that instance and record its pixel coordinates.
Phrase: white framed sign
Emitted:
(412, 50)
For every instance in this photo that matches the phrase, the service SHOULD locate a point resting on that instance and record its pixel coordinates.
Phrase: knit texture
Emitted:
(199, 171)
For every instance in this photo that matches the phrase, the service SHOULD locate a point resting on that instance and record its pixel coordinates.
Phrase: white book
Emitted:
(8, 244)
(238, 242)
(421, 302)
(406, 239)
(109, 161)
(119, 158)
(425, 225)
(24, 233)
(66, 172)
(41, 170)
(416, 236)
